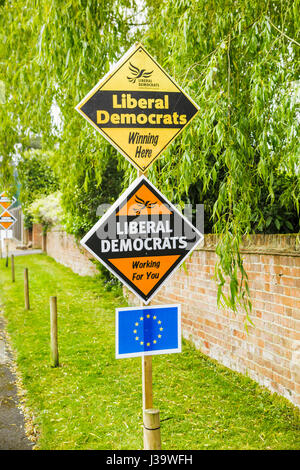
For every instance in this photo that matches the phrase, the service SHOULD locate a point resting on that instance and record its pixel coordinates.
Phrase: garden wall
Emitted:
(67, 251)
(37, 236)
(270, 351)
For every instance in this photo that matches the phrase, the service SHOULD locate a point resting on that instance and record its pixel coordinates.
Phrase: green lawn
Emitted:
(93, 401)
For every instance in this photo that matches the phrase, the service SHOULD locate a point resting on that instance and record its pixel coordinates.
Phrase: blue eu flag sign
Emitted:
(151, 330)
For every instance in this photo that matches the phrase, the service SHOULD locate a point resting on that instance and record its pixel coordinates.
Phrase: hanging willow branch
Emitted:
(239, 156)
(283, 34)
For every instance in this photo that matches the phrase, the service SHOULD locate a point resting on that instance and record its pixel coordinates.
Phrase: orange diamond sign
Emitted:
(138, 108)
(5, 201)
(7, 220)
(142, 239)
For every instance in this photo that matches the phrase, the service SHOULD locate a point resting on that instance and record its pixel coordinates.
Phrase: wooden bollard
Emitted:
(6, 262)
(152, 439)
(26, 289)
(12, 268)
(53, 334)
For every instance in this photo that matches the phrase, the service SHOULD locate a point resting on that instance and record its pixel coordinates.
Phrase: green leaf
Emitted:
(269, 220)
(277, 223)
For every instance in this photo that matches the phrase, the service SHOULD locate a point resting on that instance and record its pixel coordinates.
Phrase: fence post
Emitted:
(26, 289)
(152, 439)
(6, 262)
(53, 334)
(12, 268)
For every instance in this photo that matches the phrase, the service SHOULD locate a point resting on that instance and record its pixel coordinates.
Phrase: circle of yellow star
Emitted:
(135, 331)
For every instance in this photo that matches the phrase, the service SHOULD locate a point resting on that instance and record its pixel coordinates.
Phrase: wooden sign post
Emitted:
(147, 389)
(146, 364)
(147, 382)
(143, 238)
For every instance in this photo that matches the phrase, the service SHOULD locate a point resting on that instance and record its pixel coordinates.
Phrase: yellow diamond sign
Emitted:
(138, 108)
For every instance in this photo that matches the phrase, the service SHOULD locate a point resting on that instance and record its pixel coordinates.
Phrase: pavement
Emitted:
(25, 252)
(12, 422)
(16, 248)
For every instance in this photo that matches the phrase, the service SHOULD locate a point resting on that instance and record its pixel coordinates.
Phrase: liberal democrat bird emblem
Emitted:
(143, 205)
(138, 73)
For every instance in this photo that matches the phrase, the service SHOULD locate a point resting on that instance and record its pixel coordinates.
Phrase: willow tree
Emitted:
(238, 60)
(240, 157)
(54, 52)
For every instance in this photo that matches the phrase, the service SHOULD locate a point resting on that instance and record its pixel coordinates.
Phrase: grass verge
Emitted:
(93, 401)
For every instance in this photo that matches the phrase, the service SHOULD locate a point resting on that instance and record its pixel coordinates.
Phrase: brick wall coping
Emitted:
(277, 244)
(265, 244)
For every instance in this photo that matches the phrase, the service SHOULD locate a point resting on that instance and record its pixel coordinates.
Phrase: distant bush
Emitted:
(47, 210)
(37, 180)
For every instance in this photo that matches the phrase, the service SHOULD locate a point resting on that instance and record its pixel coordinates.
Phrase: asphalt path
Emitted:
(25, 252)
(12, 423)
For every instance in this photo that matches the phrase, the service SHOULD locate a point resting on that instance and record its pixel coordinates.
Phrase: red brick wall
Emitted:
(270, 351)
(37, 235)
(65, 250)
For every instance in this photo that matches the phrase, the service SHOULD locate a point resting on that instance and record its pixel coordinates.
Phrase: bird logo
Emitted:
(138, 73)
(143, 205)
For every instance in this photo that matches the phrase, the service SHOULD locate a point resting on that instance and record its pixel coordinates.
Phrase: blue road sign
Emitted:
(151, 330)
